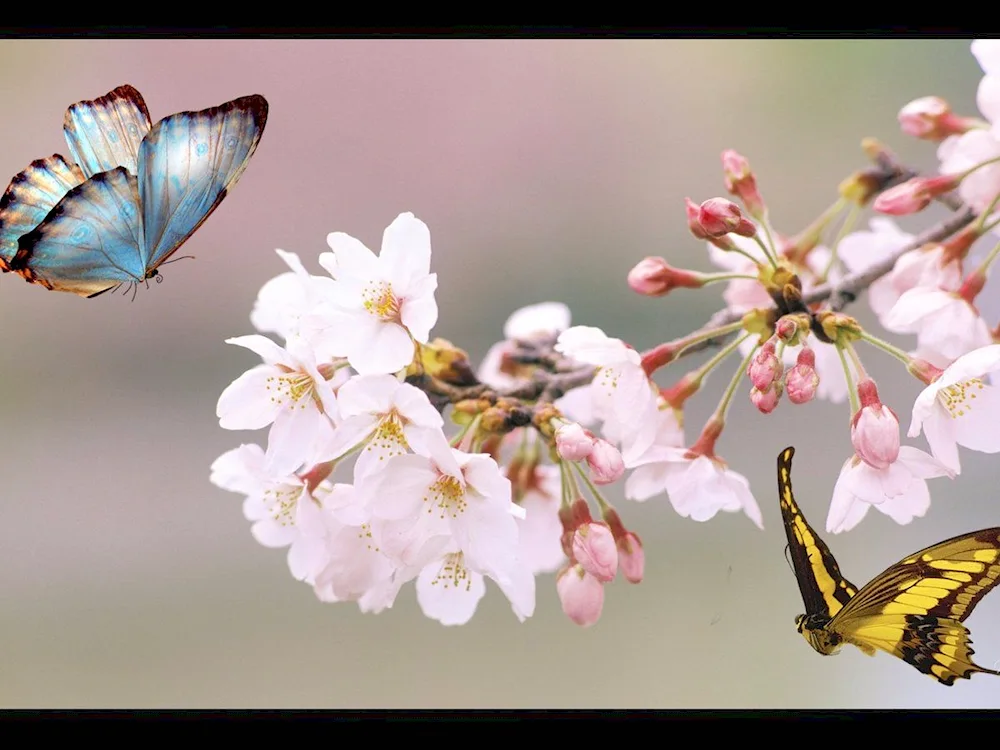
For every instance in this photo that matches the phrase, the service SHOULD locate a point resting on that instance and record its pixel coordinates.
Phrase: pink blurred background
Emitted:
(545, 170)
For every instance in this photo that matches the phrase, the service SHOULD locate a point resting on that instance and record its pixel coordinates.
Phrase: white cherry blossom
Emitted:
(287, 392)
(383, 303)
(284, 300)
(946, 325)
(899, 490)
(961, 407)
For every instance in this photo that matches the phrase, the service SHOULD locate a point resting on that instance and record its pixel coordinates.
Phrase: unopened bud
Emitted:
(765, 367)
(573, 442)
(740, 181)
(802, 380)
(874, 429)
(931, 119)
(580, 594)
(605, 462)
(595, 549)
(631, 558)
(719, 217)
(766, 401)
(654, 277)
(914, 195)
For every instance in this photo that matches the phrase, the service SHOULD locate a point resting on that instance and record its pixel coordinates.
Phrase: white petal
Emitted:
(913, 504)
(270, 352)
(406, 249)
(487, 534)
(245, 404)
(921, 464)
(446, 597)
(292, 439)
(271, 534)
(293, 262)
(843, 500)
(543, 318)
(231, 471)
(978, 428)
(939, 429)
(352, 258)
(389, 350)
(519, 588)
(398, 491)
(971, 365)
(419, 312)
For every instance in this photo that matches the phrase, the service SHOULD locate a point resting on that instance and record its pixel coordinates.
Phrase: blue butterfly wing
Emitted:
(89, 242)
(187, 164)
(29, 198)
(106, 132)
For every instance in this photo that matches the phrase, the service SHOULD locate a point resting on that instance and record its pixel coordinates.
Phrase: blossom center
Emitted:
(388, 439)
(365, 534)
(447, 495)
(453, 574)
(288, 389)
(957, 398)
(381, 302)
(281, 500)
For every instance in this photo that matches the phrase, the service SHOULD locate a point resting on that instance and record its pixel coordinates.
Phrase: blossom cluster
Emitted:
(390, 458)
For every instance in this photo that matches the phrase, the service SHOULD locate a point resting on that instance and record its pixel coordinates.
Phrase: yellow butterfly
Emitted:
(913, 610)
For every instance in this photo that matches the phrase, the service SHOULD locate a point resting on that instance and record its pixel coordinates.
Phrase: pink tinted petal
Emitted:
(406, 249)
(487, 534)
(988, 99)
(741, 488)
(647, 481)
(292, 439)
(843, 498)
(913, 504)
(269, 351)
(348, 434)
(914, 305)
(232, 470)
(447, 595)
(271, 534)
(987, 54)
(971, 365)
(367, 394)
(389, 350)
(245, 405)
(293, 262)
(306, 557)
(539, 548)
(939, 429)
(921, 464)
(413, 541)
(484, 477)
(977, 428)
(414, 404)
(419, 312)
(351, 256)
(519, 588)
(398, 490)
(543, 318)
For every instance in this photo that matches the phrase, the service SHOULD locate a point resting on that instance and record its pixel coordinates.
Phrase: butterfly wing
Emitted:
(105, 133)
(29, 198)
(89, 242)
(915, 609)
(187, 164)
(824, 590)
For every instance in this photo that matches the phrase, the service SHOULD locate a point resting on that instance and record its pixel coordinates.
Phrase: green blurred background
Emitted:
(545, 170)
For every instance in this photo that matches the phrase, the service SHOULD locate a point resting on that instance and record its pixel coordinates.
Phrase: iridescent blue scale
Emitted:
(136, 194)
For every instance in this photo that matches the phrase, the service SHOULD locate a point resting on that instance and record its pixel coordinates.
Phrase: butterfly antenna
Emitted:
(173, 260)
(787, 550)
(135, 289)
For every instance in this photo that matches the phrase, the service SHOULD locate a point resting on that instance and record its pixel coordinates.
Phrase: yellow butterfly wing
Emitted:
(824, 590)
(914, 610)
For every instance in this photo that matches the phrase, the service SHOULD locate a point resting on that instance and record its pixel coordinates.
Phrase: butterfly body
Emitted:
(913, 610)
(137, 193)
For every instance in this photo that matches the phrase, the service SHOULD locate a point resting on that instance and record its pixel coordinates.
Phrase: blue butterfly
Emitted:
(136, 193)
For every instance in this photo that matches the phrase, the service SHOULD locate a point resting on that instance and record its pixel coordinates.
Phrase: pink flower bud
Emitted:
(654, 277)
(631, 558)
(874, 429)
(694, 223)
(914, 194)
(766, 401)
(802, 380)
(741, 182)
(931, 118)
(765, 367)
(718, 216)
(594, 548)
(786, 328)
(581, 595)
(573, 442)
(605, 462)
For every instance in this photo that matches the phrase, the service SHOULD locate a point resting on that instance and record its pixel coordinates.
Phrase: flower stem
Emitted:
(845, 227)
(768, 252)
(601, 502)
(727, 397)
(852, 392)
(888, 348)
(984, 267)
(702, 372)
(711, 278)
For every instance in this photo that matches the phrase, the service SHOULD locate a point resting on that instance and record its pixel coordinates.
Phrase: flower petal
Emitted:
(244, 404)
